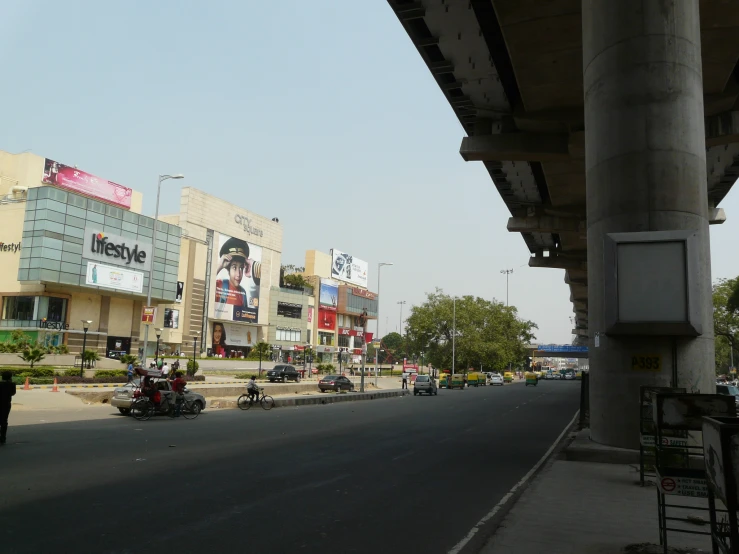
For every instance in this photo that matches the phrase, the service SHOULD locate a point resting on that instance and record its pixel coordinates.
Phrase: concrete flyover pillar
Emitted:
(645, 166)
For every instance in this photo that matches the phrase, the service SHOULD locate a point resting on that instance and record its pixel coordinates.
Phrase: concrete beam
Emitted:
(557, 262)
(523, 147)
(722, 128)
(546, 224)
(716, 216)
(572, 281)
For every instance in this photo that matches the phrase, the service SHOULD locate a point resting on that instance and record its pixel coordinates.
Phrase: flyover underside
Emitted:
(512, 70)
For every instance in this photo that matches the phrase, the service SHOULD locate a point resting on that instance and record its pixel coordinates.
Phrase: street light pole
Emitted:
(194, 349)
(153, 248)
(379, 336)
(156, 353)
(400, 327)
(507, 273)
(85, 326)
(454, 331)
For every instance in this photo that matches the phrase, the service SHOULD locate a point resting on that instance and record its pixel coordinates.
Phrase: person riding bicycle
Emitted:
(178, 389)
(253, 389)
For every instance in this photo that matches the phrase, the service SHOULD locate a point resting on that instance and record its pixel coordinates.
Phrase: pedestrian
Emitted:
(165, 370)
(7, 391)
(405, 380)
(130, 371)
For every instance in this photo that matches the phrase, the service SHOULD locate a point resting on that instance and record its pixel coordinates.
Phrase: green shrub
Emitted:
(30, 372)
(129, 359)
(192, 368)
(71, 372)
(110, 373)
(245, 375)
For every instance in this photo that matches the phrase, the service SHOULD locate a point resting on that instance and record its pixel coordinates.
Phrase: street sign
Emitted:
(646, 362)
(648, 440)
(695, 487)
(148, 315)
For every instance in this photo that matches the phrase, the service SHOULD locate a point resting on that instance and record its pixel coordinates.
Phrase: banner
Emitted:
(227, 336)
(70, 178)
(329, 295)
(326, 319)
(180, 291)
(110, 277)
(148, 314)
(171, 318)
(238, 269)
(346, 267)
(117, 250)
(310, 314)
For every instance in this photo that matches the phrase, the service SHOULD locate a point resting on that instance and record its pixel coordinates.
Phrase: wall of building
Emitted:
(317, 263)
(11, 233)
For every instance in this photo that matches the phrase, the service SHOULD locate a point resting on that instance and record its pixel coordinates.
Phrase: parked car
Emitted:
(284, 373)
(424, 384)
(729, 390)
(496, 379)
(123, 395)
(335, 383)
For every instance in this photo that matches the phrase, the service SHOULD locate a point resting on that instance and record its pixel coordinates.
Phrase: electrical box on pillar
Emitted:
(651, 281)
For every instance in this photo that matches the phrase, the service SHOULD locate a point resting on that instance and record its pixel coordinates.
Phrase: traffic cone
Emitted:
(55, 388)
(27, 386)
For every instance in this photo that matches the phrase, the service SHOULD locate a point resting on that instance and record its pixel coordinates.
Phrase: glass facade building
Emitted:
(54, 230)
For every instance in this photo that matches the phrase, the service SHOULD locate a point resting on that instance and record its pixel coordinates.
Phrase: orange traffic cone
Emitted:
(55, 388)
(27, 386)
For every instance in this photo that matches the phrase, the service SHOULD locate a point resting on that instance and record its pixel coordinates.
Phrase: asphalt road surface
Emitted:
(409, 474)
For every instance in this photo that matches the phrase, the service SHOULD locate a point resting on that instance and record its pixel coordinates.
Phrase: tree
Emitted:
(259, 348)
(488, 334)
(129, 359)
(725, 321)
(296, 280)
(90, 356)
(32, 355)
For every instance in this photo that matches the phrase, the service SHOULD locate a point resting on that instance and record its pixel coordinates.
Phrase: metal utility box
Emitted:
(651, 281)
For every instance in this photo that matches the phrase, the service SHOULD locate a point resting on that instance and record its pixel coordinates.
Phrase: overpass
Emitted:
(595, 117)
(557, 351)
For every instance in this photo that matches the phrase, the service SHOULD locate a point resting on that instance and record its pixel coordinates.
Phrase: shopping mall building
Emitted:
(77, 256)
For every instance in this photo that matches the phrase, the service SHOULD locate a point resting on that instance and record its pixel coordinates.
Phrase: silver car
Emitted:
(425, 384)
(123, 396)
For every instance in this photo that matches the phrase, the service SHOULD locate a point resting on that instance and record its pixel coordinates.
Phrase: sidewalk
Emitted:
(575, 507)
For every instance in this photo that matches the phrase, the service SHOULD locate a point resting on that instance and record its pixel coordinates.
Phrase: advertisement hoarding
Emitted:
(238, 267)
(148, 315)
(228, 336)
(180, 291)
(171, 318)
(326, 319)
(110, 277)
(346, 267)
(71, 178)
(329, 295)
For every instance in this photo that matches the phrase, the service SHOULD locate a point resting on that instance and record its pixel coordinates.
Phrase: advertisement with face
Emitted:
(227, 337)
(346, 267)
(71, 178)
(329, 294)
(237, 276)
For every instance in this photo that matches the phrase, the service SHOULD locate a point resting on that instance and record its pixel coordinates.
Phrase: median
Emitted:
(318, 398)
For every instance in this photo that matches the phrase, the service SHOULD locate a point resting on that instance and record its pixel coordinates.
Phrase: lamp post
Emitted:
(379, 336)
(454, 331)
(422, 359)
(308, 358)
(194, 348)
(507, 273)
(156, 353)
(153, 247)
(400, 326)
(85, 326)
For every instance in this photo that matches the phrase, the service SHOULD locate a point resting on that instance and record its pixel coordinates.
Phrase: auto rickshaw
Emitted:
(444, 381)
(475, 379)
(508, 377)
(457, 381)
(531, 378)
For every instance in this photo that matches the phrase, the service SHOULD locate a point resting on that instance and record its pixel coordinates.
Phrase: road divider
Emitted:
(317, 399)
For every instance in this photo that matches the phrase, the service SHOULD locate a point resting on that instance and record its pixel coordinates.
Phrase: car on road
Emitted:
(335, 383)
(424, 384)
(123, 395)
(569, 375)
(496, 379)
(284, 373)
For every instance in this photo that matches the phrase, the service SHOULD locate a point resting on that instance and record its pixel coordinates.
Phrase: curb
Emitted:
(316, 399)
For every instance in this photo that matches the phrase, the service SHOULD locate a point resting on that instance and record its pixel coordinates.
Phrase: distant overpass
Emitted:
(558, 351)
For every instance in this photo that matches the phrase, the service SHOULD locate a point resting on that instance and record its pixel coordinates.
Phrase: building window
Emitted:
(289, 310)
(325, 339)
(288, 335)
(344, 341)
(18, 307)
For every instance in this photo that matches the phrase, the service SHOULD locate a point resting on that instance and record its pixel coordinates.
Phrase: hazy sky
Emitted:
(321, 113)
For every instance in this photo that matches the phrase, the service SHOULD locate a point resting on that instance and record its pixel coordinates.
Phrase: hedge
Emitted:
(28, 372)
(111, 373)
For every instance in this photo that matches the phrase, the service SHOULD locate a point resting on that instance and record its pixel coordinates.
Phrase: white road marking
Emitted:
(461, 544)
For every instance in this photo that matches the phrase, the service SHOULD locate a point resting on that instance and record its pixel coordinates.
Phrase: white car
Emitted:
(495, 379)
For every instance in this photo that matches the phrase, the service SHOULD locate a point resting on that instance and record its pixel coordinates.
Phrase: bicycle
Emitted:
(245, 401)
(143, 408)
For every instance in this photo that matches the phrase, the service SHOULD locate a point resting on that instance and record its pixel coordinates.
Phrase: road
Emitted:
(409, 474)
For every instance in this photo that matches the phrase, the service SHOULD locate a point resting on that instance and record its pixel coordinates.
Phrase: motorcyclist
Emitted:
(253, 389)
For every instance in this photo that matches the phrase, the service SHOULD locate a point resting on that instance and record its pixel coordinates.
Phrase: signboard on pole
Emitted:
(148, 315)
(682, 486)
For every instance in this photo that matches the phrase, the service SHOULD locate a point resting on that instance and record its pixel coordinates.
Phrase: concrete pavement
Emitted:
(409, 474)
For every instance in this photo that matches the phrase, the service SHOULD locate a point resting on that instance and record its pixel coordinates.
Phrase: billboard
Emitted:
(346, 267)
(238, 268)
(72, 179)
(110, 277)
(329, 294)
(171, 318)
(227, 336)
(326, 320)
(117, 250)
